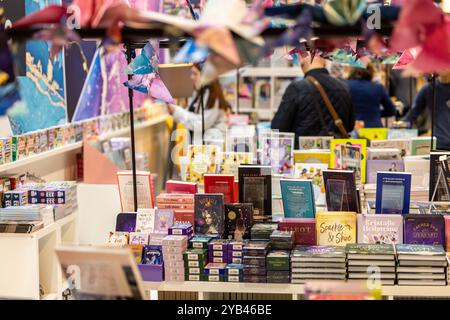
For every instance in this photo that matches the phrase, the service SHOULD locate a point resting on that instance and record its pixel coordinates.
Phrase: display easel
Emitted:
(441, 182)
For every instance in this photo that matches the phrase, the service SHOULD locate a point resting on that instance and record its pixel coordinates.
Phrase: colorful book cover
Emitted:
(402, 133)
(209, 214)
(380, 228)
(393, 192)
(319, 251)
(336, 228)
(221, 183)
(238, 220)
(422, 145)
(298, 198)
(373, 133)
(384, 154)
(126, 222)
(313, 172)
(152, 255)
(255, 186)
(340, 190)
(304, 229)
(374, 166)
(278, 151)
(174, 186)
(424, 229)
(164, 219)
(202, 159)
(321, 143)
(403, 144)
(312, 156)
(349, 154)
(230, 162)
(420, 249)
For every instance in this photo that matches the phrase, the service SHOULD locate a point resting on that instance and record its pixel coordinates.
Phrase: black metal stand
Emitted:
(202, 107)
(237, 91)
(133, 141)
(433, 107)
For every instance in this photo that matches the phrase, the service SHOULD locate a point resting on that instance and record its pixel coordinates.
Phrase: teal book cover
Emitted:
(298, 198)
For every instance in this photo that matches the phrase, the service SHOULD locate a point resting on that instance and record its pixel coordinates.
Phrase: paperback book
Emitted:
(374, 166)
(209, 214)
(403, 144)
(230, 162)
(202, 159)
(255, 186)
(312, 156)
(298, 198)
(340, 191)
(335, 228)
(380, 228)
(313, 172)
(422, 145)
(321, 143)
(349, 154)
(278, 151)
(221, 183)
(175, 186)
(238, 220)
(393, 192)
(425, 229)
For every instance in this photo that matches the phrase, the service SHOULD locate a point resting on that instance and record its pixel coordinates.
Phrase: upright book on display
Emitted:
(209, 214)
(298, 198)
(255, 186)
(335, 228)
(393, 192)
(221, 183)
(238, 220)
(340, 191)
(380, 228)
(144, 184)
(425, 229)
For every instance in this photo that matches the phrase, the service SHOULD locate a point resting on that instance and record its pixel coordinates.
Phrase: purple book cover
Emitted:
(380, 228)
(163, 220)
(126, 222)
(424, 229)
(373, 166)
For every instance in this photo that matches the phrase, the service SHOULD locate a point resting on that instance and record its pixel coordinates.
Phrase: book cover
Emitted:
(278, 151)
(174, 186)
(255, 186)
(304, 229)
(144, 190)
(202, 159)
(370, 249)
(306, 252)
(209, 214)
(145, 220)
(320, 143)
(126, 222)
(312, 156)
(298, 198)
(380, 228)
(435, 165)
(152, 255)
(336, 228)
(393, 192)
(313, 172)
(420, 250)
(349, 154)
(384, 154)
(374, 166)
(424, 229)
(238, 220)
(419, 169)
(403, 144)
(230, 162)
(221, 183)
(340, 190)
(422, 145)
(373, 133)
(402, 133)
(164, 219)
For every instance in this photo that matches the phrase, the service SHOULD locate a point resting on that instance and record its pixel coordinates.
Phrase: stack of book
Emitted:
(254, 260)
(173, 248)
(20, 226)
(30, 213)
(182, 205)
(318, 262)
(15, 198)
(218, 251)
(215, 272)
(234, 272)
(371, 261)
(282, 240)
(278, 266)
(195, 261)
(262, 231)
(235, 251)
(421, 265)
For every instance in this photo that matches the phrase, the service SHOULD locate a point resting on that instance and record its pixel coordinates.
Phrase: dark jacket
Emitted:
(297, 112)
(367, 97)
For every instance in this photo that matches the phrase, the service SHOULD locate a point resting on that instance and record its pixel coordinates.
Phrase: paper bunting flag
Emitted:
(150, 84)
(191, 52)
(406, 58)
(145, 63)
(344, 12)
(59, 38)
(51, 14)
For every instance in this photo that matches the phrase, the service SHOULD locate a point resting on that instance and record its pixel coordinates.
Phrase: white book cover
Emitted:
(420, 171)
(144, 190)
(145, 220)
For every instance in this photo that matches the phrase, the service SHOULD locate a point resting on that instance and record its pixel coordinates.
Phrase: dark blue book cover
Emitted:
(126, 222)
(393, 192)
(152, 254)
(298, 198)
(424, 229)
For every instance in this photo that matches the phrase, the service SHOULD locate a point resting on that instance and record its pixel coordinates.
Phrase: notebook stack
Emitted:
(182, 205)
(173, 248)
(235, 251)
(254, 260)
(365, 260)
(318, 263)
(218, 251)
(262, 231)
(278, 266)
(29, 213)
(282, 240)
(421, 265)
(234, 272)
(195, 261)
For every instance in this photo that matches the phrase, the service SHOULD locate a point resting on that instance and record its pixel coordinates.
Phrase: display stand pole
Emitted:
(433, 107)
(237, 91)
(202, 107)
(133, 141)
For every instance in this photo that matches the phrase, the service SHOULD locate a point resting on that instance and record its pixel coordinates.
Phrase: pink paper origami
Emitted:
(52, 14)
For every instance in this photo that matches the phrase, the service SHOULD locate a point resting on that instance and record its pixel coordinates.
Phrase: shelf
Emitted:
(41, 156)
(294, 289)
(39, 234)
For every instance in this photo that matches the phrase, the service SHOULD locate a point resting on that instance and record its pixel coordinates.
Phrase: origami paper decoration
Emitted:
(52, 14)
(191, 52)
(145, 63)
(344, 12)
(406, 58)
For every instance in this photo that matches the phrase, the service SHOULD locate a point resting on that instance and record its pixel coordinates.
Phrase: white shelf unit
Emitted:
(29, 260)
(273, 73)
(204, 289)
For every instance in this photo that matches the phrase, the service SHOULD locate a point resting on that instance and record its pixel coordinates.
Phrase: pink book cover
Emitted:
(447, 232)
(379, 228)
(175, 198)
(184, 216)
(176, 206)
(175, 186)
(304, 229)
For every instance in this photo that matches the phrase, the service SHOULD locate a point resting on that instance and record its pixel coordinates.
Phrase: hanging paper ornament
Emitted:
(191, 52)
(344, 12)
(145, 63)
(150, 84)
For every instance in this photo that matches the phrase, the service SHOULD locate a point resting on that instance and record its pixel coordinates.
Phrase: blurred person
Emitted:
(302, 109)
(424, 102)
(368, 96)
